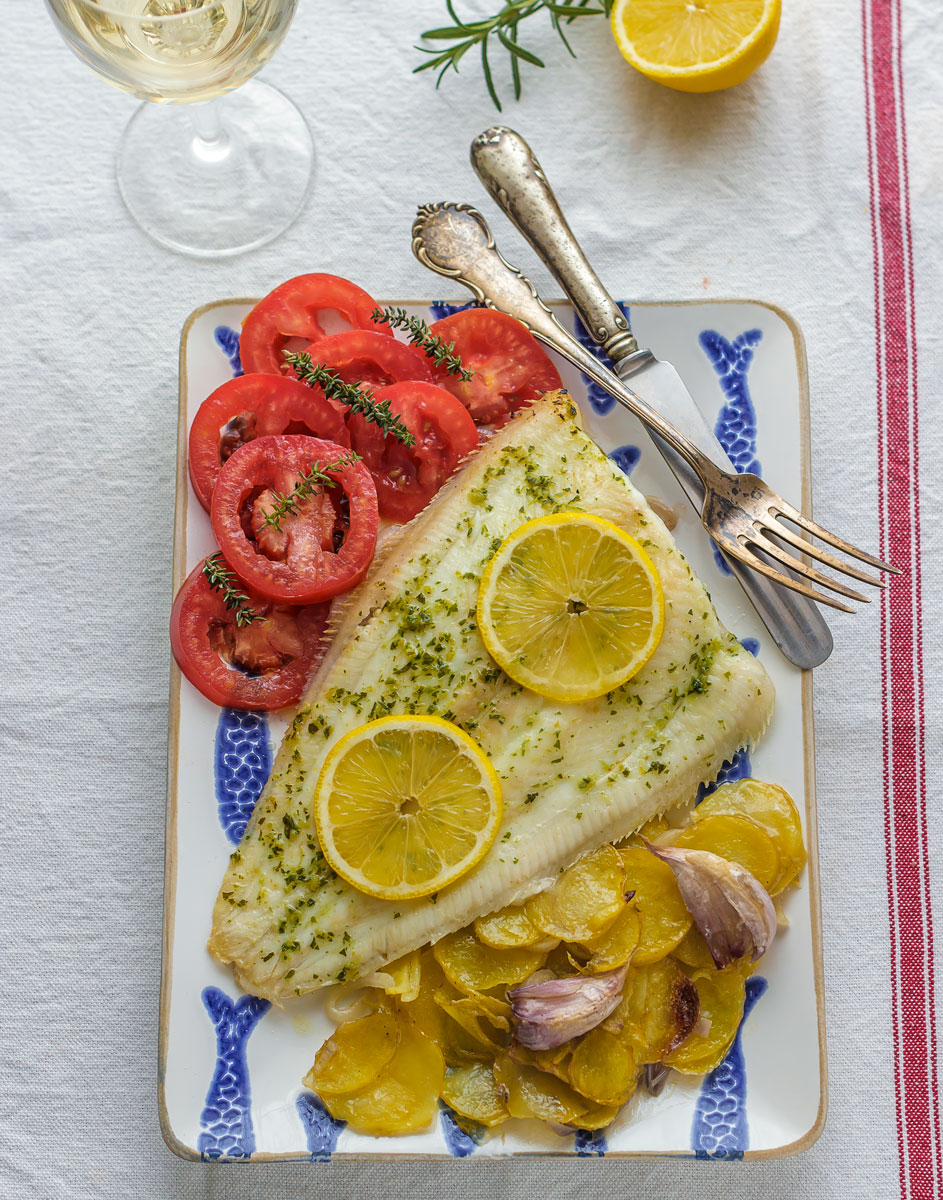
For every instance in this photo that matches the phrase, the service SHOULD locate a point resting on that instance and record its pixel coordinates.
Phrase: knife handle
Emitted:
(509, 170)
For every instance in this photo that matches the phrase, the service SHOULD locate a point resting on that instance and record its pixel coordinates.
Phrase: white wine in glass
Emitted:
(218, 176)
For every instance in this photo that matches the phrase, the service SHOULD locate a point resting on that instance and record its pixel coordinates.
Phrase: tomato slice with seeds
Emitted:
(371, 358)
(260, 666)
(290, 318)
(510, 368)
(253, 406)
(324, 548)
(407, 477)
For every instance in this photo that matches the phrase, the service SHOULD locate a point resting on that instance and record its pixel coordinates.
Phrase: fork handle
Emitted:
(454, 240)
(508, 168)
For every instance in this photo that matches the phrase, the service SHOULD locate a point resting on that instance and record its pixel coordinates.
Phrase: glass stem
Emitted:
(210, 139)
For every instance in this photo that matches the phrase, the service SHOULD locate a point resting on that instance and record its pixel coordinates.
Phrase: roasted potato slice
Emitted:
(528, 1092)
(354, 1055)
(658, 1010)
(510, 928)
(585, 900)
(603, 1068)
(472, 967)
(664, 917)
(488, 1040)
(615, 947)
(599, 1117)
(472, 1092)
(770, 806)
(430, 1018)
(554, 1062)
(721, 995)
(737, 838)
(405, 1095)
(693, 951)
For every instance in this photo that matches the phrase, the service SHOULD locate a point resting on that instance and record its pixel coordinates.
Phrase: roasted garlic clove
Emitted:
(549, 1013)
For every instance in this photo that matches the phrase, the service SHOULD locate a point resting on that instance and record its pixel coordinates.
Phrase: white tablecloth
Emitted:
(768, 191)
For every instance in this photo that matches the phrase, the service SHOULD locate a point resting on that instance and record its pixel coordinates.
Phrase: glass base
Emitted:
(217, 178)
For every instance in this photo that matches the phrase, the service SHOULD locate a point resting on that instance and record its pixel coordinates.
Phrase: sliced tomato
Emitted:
(253, 406)
(509, 367)
(407, 477)
(324, 548)
(261, 666)
(365, 356)
(290, 318)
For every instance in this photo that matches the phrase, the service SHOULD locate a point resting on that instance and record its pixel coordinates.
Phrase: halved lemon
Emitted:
(570, 606)
(696, 45)
(405, 805)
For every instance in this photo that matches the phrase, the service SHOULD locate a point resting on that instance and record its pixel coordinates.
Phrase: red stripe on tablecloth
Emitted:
(911, 925)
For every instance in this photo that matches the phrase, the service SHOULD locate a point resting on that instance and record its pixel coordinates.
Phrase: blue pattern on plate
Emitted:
(321, 1129)
(459, 1143)
(226, 1121)
(626, 458)
(736, 768)
(228, 341)
(241, 765)
(601, 402)
(736, 421)
(751, 644)
(720, 1128)
(440, 309)
(590, 1143)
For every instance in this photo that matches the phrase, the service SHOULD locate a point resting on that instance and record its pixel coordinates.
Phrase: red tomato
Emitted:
(509, 367)
(292, 312)
(368, 357)
(253, 406)
(261, 666)
(407, 477)
(325, 548)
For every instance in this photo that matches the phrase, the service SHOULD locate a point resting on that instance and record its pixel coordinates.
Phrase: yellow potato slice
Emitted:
(532, 1093)
(737, 838)
(405, 1097)
(472, 967)
(615, 947)
(603, 1068)
(770, 806)
(599, 1117)
(430, 1018)
(585, 900)
(553, 1062)
(487, 1039)
(509, 928)
(721, 995)
(658, 1010)
(692, 950)
(354, 1055)
(664, 916)
(472, 1092)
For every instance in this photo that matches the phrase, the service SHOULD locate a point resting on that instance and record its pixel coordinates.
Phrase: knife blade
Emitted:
(512, 175)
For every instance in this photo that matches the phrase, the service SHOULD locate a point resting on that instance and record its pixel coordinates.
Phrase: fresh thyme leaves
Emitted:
(504, 26)
(419, 334)
(358, 399)
(309, 484)
(221, 579)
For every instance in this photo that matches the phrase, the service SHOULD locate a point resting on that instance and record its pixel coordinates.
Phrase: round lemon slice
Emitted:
(405, 805)
(570, 606)
(696, 45)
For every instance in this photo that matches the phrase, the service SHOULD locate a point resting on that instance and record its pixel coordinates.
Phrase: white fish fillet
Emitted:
(573, 775)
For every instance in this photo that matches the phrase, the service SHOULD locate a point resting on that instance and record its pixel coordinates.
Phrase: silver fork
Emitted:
(741, 513)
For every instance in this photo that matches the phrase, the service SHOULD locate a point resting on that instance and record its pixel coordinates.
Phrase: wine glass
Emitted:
(203, 168)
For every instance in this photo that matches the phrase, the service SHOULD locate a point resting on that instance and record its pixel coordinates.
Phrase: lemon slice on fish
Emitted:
(406, 805)
(570, 606)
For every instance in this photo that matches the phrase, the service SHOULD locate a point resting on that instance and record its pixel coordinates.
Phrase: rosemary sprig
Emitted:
(419, 334)
(311, 483)
(504, 26)
(358, 399)
(221, 579)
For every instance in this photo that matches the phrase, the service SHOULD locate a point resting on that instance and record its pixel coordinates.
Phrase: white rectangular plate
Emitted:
(231, 1066)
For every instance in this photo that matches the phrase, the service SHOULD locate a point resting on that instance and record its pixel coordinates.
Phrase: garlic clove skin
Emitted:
(548, 1013)
(730, 907)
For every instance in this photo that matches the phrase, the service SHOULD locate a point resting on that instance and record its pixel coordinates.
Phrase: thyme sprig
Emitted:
(223, 580)
(358, 399)
(504, 26)
(419, 334)
(310, 483)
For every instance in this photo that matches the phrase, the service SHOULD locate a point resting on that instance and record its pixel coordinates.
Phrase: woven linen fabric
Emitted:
(814, 185)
